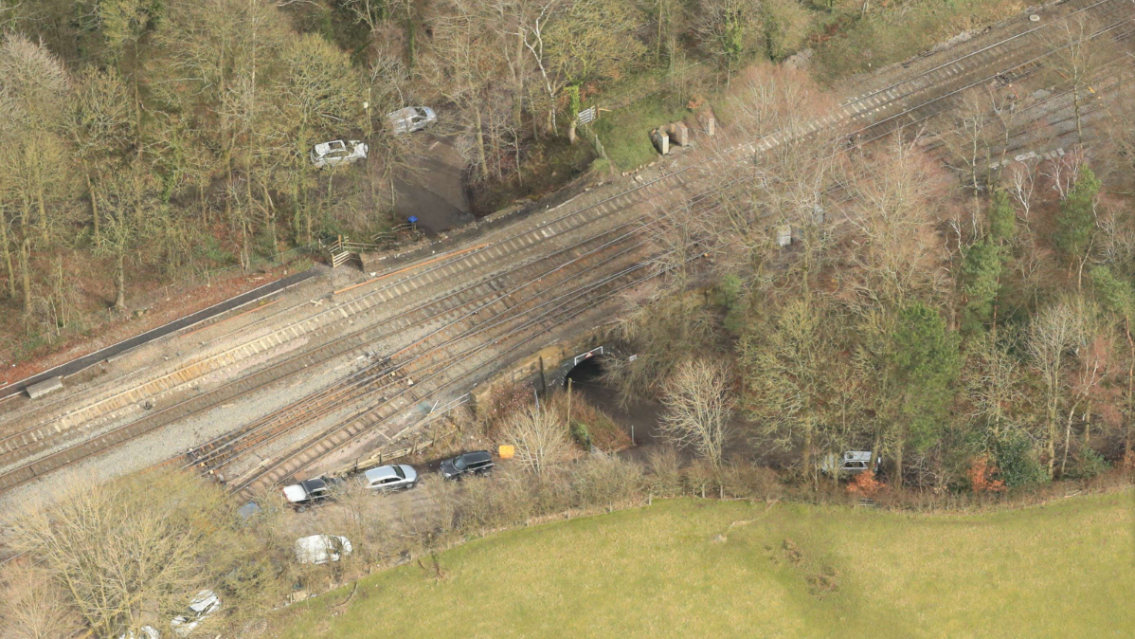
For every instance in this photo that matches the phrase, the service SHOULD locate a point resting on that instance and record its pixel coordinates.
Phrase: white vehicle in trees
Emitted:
(145, 632)
(203, 605)
(410, 119)
(321, 549)
(851, 462)
(338, 152)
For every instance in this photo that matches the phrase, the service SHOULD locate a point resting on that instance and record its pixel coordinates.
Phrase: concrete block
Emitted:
(661, 141)
(679, 133)
(783, 235)
(35, 391)
(710, 125)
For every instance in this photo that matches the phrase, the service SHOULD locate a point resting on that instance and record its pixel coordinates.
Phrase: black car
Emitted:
(474, 463)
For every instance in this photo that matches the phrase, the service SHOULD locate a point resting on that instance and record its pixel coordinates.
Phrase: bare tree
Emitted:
(575, 41)
(101, 125)
(128, 201)
(34, 90)
(32, 606)
(994, 380)
(1021, 184)
(119, 564)
(968, 138)
(466, 68)
(135, 550)
(727, 29)
(788, 372)
(698, 408)
(1053, 334)
(892, 217)
(540, 437)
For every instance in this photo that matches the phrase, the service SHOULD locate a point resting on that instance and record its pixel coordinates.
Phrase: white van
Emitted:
(851, 462)
(321, 549)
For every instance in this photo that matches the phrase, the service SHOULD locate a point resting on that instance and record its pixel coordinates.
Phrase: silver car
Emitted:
(390, 477)
(338, 152)
(410, 119)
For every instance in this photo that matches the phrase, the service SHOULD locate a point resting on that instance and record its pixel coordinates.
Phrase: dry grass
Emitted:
(606, 435)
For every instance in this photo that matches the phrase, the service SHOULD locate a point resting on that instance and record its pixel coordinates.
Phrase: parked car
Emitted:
(203, 605)
(320, 549)
(410, 119)
(393, 477)
(145, 632)
(337, 152)
(307, 493)
(851, 462)
(475, 463)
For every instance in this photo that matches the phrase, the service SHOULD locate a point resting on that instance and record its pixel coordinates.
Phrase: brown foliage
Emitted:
(504, 401)
(981, 475)
(865, 484)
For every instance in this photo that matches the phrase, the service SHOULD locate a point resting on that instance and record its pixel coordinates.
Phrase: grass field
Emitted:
(690, 568)
(625, 132)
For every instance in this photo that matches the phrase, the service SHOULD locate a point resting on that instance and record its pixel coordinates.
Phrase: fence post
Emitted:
(593, 137)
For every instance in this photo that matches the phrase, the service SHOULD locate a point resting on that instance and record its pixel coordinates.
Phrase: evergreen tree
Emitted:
(1002, 217)
(981, 272)
(1077, 215)
(924, 362)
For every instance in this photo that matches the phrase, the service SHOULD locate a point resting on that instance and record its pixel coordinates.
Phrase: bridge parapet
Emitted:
(547, 368)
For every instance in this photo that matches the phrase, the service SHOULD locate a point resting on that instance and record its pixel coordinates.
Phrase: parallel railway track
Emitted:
(394, 307)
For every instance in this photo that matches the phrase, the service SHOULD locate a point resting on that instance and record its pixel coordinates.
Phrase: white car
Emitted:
(203, 605)
(145, 632)
(410, 119)
(320, 549)
(390, 477)
(338, 152)
(852, 462)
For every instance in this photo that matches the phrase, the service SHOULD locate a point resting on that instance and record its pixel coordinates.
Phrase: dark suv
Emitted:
(474, 463)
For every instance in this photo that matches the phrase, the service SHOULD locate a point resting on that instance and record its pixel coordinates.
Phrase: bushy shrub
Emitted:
(701, 478)
(864, 484)
(1015, 460)
(604, 480)
(748, 481)
(581, 434)
(664, 471)
(1088, 464)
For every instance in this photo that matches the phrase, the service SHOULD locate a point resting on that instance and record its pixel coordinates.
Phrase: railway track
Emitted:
(591, 256)
(442, 369)
(376, 306)
(421, 316)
